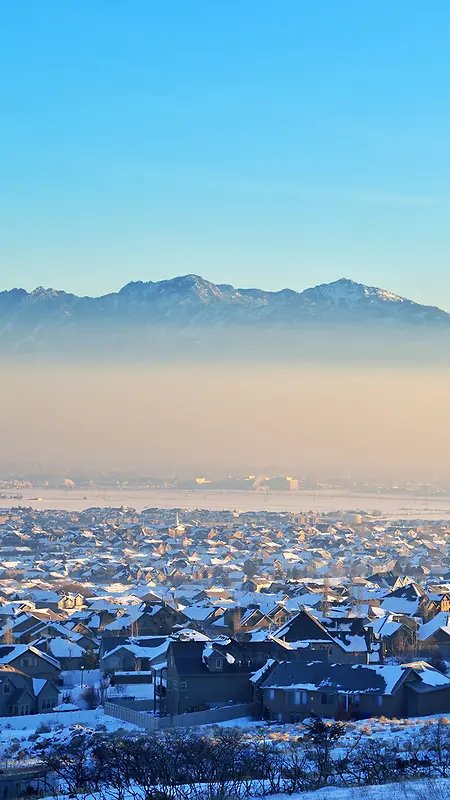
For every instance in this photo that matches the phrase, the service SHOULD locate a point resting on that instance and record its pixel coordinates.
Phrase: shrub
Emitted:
(44, 727)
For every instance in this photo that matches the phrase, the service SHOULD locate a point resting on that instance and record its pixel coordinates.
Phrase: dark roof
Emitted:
(411, 591)
(383, 578)
(188, 657)
(422, 688)
(20, 681)
(112, 642)
(348, 678)
(353, 625)
(271, 648)
(6, 650)
(16, 677)
(303, 627)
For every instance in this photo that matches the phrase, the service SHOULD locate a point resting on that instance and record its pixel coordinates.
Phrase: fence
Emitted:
(138, 704)
(26, 780)
(151, 723)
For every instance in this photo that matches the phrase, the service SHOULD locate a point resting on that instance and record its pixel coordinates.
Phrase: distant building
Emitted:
(283, 484)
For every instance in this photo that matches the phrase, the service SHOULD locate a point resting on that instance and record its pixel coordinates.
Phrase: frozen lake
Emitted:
(405, 506)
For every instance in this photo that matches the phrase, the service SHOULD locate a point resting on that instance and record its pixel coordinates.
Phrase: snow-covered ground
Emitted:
(15, 732)
(79, 678)
(18, 736)
(382, 729)
(420, 790)
(140, 691)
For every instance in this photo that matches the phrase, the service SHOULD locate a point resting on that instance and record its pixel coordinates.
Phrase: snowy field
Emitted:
(398, 506)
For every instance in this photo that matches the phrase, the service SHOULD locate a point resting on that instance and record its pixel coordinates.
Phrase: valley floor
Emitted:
(395, 505)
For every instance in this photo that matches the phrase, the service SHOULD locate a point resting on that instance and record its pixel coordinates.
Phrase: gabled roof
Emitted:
(411, 591)
(9, 653)
(191, 659)
(441, 622)
(150, 650)
(304, 627)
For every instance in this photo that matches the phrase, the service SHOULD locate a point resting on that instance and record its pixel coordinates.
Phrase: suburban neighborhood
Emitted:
(172, 612)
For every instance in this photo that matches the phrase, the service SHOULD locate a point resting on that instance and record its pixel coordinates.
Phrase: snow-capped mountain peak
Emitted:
(350, 292)
(192, 301)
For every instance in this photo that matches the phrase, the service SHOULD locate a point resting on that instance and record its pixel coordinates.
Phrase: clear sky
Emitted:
(255, 142)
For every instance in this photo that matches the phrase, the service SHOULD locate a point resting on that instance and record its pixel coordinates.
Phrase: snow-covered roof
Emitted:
(38, 685)
(9, 653)
(262, 671)
(440, 622)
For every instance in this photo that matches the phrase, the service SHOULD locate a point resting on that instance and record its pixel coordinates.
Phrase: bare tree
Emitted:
(8, 635)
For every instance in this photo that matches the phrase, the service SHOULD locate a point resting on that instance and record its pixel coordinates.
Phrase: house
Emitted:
(435, 634)
(28, 624)
(405, 600)
(76, 633)
(147, 620)
(30, 660)
(259, 617)
(304, 631)
(21, 695)
(135, 655)
(437, 604)
(71, 601)
(396, 636)
(295, 690)
(69, 653)
(209, 673)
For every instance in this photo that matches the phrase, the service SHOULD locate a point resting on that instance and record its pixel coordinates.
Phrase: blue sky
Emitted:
(255, 142)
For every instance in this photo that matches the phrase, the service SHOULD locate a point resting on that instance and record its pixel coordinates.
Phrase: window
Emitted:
(6, 688)
(356, 699)
(327, 699)
(300, 698)
(271, 694)
(378, 700)
(218, 663)
(183, 685)
(28, 661)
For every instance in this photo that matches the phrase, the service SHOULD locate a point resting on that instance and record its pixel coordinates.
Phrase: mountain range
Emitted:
(34, 320)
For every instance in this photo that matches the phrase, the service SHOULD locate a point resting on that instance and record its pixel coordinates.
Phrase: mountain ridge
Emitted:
(192, 281)
(190, 301)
